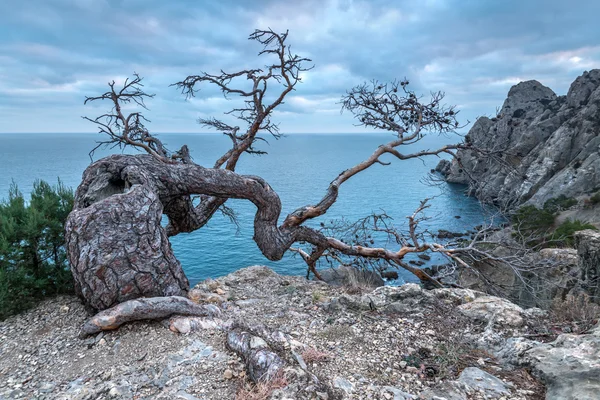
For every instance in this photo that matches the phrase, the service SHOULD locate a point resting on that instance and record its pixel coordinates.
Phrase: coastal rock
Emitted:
(569, 366)
(548, 146)
(494, 310)
(484, 382)
(353, 350)
(587, 243)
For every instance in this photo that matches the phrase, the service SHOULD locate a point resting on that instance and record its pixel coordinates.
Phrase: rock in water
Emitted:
(548, 144)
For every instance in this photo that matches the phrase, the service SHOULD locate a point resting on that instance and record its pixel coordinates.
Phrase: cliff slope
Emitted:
(538, 147)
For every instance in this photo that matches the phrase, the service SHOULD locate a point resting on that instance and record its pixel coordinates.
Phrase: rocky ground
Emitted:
(349, 342)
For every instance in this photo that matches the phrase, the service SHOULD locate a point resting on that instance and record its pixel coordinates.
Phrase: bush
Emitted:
(532, 221)
(595, 198)
(564, 233)
(33, 262)
(559, 203)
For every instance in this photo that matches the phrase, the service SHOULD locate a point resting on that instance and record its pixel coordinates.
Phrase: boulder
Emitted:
(569, 366)
(470, 380)
(494, 310)
(484, 382)
(587, 243)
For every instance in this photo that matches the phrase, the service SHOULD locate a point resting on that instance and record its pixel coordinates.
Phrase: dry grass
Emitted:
(337, 332)
(312, 355)
(261, 390)
(575, 314)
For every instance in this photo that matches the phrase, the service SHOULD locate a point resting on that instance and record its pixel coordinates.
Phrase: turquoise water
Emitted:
(299, 167)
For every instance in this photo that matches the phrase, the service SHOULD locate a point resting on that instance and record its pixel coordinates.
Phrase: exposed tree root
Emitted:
(145, 308)
(262, 363)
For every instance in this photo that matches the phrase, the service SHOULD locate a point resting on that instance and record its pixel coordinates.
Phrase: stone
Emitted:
(228, 374)
(569, 366)
(482, 381)
(344, 384)
(396, 394)
(494, 310)
(587, 243)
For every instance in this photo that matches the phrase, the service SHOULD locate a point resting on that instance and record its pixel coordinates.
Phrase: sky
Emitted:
(53, 53)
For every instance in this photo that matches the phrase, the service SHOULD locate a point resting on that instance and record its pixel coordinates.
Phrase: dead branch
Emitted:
(145, 308)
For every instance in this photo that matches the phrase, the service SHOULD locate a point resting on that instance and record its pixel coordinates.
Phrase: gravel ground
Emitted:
(391, 343)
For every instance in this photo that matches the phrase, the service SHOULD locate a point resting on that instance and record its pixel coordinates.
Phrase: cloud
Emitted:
(55, 52)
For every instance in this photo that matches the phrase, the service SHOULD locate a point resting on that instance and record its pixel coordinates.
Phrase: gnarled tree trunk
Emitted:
(117, 248)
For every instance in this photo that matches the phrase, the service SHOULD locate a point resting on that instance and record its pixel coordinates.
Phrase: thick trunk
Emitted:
(118, 250)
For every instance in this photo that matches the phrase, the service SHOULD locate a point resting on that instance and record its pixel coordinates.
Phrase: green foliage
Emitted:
(595, 198)
(532, 221)
(564, 233)
(33, 263)
(559, 203)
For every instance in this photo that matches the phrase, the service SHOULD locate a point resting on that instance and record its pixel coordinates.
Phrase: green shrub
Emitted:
(595, 198)
(559, 203)
(564, 233)
(33, 262)
(532, 221)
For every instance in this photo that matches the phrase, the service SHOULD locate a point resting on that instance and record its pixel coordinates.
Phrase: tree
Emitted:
(33, 262)
(117, 247)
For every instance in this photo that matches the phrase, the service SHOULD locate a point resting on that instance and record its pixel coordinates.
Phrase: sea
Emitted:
(298, 166)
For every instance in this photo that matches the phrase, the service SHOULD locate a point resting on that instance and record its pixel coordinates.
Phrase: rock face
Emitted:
(588, 249)
(540, 146)
(569, 366)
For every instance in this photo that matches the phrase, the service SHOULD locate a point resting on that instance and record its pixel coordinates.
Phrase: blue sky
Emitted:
(54, 52)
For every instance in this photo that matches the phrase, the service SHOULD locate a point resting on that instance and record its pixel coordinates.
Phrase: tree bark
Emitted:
(118, 250)
(152, 308)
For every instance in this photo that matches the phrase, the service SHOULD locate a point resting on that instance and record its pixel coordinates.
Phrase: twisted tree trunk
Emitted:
(116, 245)
(119, 251)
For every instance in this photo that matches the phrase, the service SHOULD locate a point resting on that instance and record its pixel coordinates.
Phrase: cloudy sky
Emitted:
(55, 52)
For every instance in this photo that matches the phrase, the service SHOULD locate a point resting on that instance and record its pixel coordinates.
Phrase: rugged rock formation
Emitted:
(588, 248)
(538, 147)
(554, 273)
(569, 366)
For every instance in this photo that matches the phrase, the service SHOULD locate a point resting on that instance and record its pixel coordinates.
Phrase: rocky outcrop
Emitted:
(539, 146)
(386, 343)
(588, 248)
(569, 366)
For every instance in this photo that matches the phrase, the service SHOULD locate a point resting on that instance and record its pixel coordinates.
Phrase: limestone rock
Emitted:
(482, 381)
(588, 249)
(494, 310)
(549, 144)
(569, 366)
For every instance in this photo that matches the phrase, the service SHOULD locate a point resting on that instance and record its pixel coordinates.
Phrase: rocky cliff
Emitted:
(539, 146)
